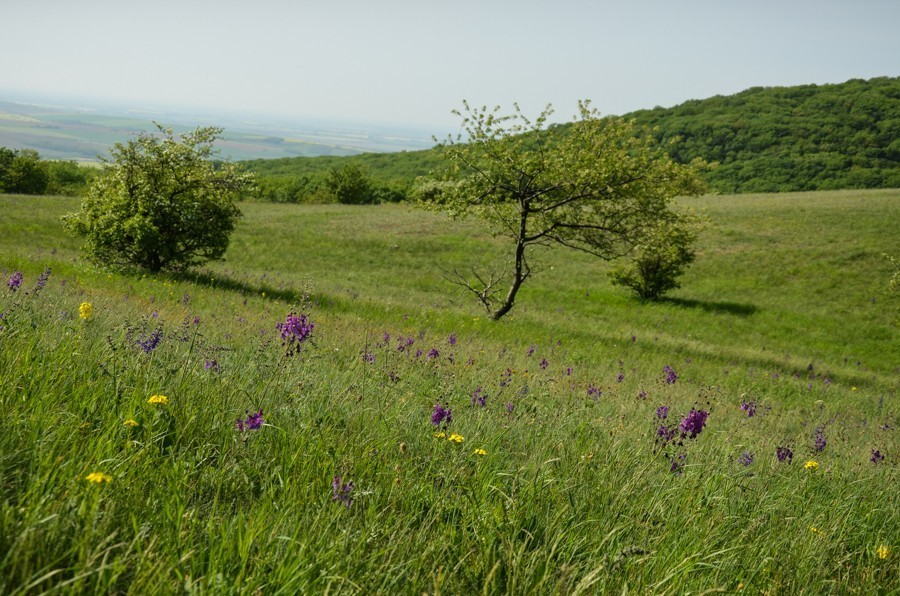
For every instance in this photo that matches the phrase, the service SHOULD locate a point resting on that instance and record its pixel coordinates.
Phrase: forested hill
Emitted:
(764, 139)
(808, 137)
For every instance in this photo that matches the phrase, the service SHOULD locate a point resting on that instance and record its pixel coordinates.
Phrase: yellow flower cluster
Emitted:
(158, 399)
(480, 452)
(85, 311)
(811, 465)
(455, 438)
(130, 422)
(883, 551)
(98, 477)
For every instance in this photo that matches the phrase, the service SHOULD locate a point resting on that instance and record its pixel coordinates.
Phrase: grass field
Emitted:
(566, 477)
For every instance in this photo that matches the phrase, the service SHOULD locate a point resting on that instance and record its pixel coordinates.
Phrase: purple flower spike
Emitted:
(253, 422)
(692, 424)
(749, 408)
(441, 415)
(452, 339)
(671, 375)
(746, 458)
(478, 397)
(662, 412)
(820, 442)
(544, 364)
(14, 281)
(295, 330)
(784, 454)
(877, 456)
(342, 491)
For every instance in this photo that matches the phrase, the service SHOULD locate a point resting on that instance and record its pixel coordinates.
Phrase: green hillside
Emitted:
(773, 139)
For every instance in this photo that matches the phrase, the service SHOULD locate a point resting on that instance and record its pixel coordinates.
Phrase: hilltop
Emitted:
(764, 139)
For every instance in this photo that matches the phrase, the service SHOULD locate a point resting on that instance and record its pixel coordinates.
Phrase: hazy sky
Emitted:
(411, 62)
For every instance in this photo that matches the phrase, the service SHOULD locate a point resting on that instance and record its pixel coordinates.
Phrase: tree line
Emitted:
(22, 171)
(764, 139)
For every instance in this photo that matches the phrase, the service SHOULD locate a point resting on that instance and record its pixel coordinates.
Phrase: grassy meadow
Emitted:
(573, 461)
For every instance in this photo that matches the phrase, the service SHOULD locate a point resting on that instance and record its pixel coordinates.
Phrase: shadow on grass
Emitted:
(732, 308)
(222, 282)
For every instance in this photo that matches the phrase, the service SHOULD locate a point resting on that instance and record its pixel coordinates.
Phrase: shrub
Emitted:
(160, 203)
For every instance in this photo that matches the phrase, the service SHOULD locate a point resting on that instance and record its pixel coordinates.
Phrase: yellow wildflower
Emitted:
(480, 452)
(455, 438)
(815, 530)
(130, 422)
(441, 435)
(98, 477)
(85, 311)
(811, 465)
(158, 399)
(883, 551)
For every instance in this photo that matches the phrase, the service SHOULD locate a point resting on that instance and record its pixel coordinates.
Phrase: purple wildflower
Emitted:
(452, 339)
(620, 378)
(41, 281)
(196, 320)
(671, 375)
(295, 330)
(212, 365)
(368, 357)
(820, 442)
(692, 424)
(664, 434)
(746, 458)
(530, 351)
(419, 353)
(544, 364)
(569, 371)
(342, 491)
(150, 343)
(784, 454)
(441, 415)
(594, 391)
(253, 422)
(14, 281)
(478, 397)
(507, 378)
(662, 412)
(749, 407)
(877, 456)
(432, 353)
(677, 466)
(510, 407)
(642, 394)
(393, 377)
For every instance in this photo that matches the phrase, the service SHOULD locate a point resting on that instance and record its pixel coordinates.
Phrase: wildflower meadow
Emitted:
(321, 412)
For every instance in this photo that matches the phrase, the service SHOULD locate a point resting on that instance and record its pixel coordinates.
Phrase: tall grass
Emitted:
(574, 492)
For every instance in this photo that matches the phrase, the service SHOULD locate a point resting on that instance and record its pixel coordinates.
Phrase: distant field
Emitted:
(557, 482)
(60, 133)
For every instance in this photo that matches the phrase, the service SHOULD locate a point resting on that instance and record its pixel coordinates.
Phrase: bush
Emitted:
(160, 203)
(659, 258)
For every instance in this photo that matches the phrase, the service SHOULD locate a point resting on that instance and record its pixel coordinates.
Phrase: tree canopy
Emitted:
(596, 186)
(161, 203)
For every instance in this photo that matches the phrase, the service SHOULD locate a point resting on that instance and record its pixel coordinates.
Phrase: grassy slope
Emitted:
(572, 494)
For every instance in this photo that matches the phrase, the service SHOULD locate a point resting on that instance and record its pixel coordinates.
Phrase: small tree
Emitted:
(160, 203)
(595, 186)
(660, 257)
(349, 184)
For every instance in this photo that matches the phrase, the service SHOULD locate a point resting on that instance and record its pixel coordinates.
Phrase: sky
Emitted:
(411, 62)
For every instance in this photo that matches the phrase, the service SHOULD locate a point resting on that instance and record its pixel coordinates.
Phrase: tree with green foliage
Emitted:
(160, 203)
(596, 186)
(23, 172)
(660, 257)
(349, 184)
